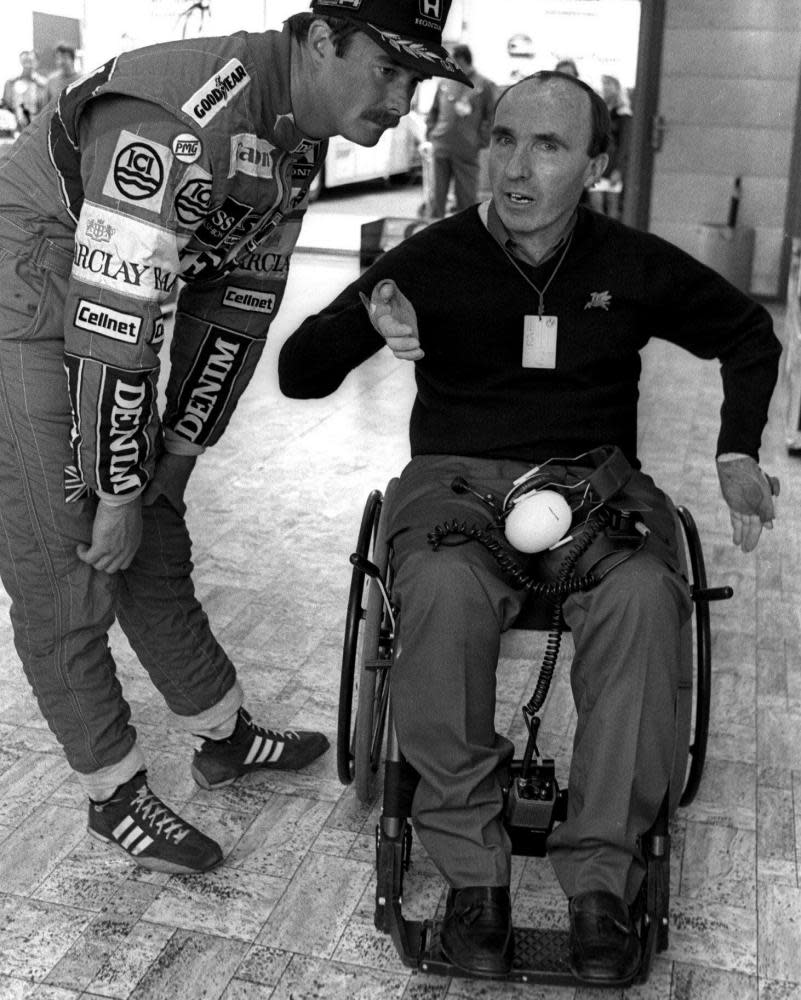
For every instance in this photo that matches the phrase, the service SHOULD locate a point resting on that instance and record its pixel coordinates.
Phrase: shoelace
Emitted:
(285, 737)
(271, 734)
(162, 819)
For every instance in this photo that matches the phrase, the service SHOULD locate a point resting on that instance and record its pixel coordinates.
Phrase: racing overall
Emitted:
(176, 167)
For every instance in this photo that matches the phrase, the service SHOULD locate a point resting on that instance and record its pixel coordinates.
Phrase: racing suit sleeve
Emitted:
(124, 272)
(220, 332)
(144, 233)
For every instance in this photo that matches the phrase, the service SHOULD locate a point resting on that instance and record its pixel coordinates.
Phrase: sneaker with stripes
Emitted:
(149, 832)
(251, 748)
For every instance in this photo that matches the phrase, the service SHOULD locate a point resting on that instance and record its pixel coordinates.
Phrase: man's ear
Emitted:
(319, 39)
(595, 171)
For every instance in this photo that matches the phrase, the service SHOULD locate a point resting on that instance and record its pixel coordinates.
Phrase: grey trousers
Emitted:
(454, 604)
(464, 172)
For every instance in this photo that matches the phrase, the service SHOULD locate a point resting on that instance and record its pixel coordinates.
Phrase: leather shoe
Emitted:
(604, 947)
(476, 933)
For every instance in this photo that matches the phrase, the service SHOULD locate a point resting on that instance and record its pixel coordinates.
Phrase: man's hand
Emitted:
(393, 316)
(170, 479)
(116, 534)
(749, 492)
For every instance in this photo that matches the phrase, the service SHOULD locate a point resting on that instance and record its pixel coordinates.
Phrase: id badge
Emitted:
(539, 341)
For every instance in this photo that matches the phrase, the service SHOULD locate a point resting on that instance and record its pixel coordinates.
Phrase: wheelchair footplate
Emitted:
(541, 954)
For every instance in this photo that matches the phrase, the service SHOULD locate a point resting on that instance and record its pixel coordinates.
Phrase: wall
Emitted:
(730, 77)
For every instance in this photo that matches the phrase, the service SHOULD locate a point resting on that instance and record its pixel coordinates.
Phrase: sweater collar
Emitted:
(492, 221)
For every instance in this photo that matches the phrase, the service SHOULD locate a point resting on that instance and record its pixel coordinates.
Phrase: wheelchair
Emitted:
(366, 734)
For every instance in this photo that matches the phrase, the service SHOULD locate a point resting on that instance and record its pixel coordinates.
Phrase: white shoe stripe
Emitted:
(263, 750)
(121, 827)
(143, 845)
(132, 837)
(255, 748)
(267, 752)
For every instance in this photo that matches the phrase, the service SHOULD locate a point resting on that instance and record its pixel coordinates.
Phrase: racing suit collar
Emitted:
(273, 53)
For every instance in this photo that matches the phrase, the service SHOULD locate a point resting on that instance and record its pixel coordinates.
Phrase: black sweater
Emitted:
(473, 395)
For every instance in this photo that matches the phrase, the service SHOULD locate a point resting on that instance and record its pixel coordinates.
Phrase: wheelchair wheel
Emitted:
(377, 650)
(353, 623)
(703, 657)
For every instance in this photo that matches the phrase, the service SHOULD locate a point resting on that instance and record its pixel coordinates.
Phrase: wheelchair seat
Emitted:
(367, 736)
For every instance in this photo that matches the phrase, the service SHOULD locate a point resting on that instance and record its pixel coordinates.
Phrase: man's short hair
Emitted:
(463, 52)
(65, 50)
(342, 30)
(600, 122)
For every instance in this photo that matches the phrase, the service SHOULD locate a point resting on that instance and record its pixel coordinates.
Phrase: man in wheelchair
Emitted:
(525, 317)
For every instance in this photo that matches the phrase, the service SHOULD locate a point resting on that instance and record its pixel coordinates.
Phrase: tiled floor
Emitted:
(274, 512)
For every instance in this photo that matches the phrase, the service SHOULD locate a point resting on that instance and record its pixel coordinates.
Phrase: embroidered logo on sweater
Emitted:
(599, 300)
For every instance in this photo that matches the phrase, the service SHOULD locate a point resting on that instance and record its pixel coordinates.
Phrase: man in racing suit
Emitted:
(183, 166)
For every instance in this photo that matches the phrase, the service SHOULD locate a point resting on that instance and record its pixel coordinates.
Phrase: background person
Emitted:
(65, 71)
(608, 194)
(192, 161)
(24, 95)
(458, 128)
(525, 317)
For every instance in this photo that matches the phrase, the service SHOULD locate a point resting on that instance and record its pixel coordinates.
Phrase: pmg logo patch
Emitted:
(187, 147)
(138, 172)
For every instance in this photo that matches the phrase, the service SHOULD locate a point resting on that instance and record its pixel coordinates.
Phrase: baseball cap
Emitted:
(408, 30)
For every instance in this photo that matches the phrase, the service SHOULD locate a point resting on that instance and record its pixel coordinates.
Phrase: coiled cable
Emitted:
(555, 592)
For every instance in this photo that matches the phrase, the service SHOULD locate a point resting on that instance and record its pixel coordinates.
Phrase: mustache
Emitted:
(380, 117)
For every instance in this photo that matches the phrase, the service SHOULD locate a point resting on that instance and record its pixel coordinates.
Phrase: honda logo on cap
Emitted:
(431, 8)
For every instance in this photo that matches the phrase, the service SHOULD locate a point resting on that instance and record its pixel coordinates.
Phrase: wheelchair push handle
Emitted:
(712, 593)
(365, 566)
(370, 569)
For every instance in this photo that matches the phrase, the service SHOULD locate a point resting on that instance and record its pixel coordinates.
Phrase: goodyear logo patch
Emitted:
(214, 95)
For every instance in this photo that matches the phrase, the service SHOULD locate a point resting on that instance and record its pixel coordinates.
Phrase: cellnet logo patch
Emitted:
(94, 318)
(249, 301)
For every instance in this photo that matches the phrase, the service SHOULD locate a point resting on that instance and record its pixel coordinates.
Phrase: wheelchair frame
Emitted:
(540, 955)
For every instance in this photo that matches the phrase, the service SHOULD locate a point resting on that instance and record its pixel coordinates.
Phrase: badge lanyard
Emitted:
(539, 332)
(528, 280)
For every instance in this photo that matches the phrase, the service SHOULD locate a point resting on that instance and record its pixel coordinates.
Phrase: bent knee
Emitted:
(645, 582)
